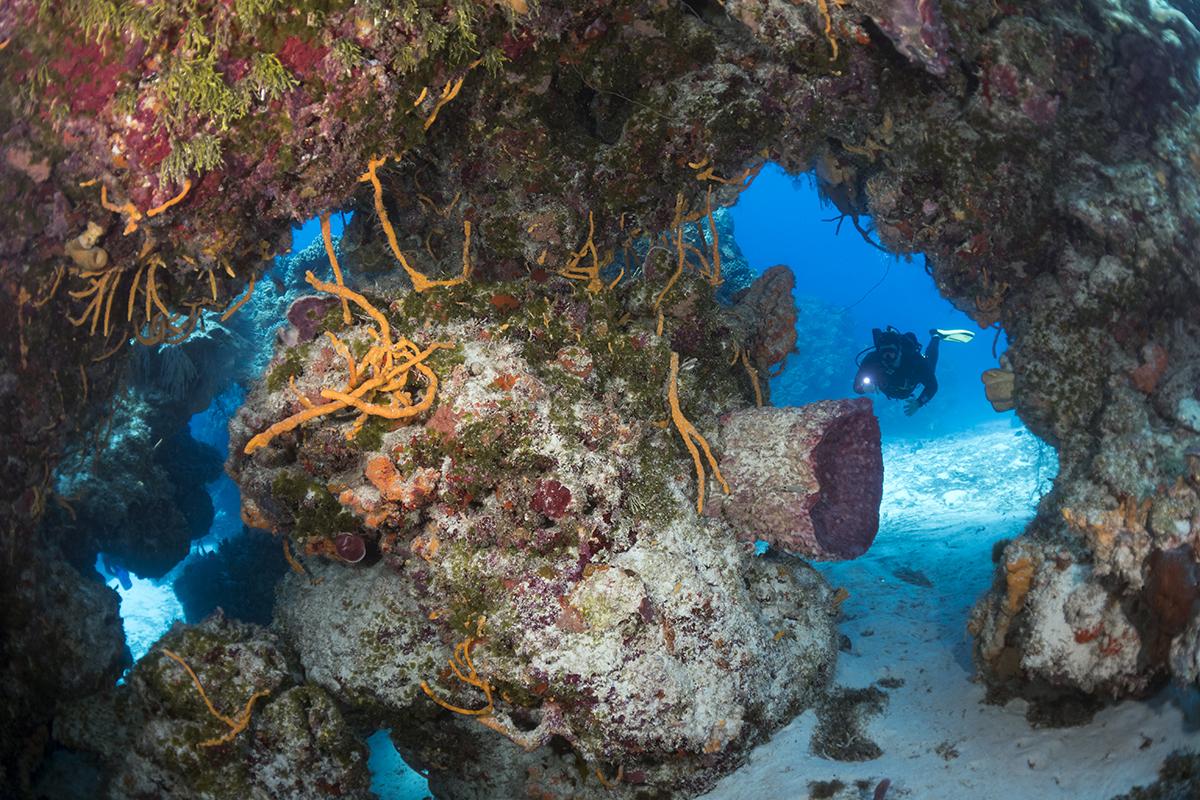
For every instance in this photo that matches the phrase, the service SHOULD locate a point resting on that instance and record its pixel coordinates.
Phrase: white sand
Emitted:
(946, 501)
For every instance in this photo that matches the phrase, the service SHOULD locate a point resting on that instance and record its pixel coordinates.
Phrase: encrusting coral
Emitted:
(161, 733)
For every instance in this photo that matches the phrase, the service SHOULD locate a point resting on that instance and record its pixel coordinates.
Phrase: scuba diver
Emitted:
(895, 365)
(117, 571)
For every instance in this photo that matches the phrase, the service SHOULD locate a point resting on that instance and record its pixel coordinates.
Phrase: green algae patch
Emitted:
(291, 366)
(316, 512)
(370, 436)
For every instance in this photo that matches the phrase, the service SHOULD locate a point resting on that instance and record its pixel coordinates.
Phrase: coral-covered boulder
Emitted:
(648, 664)
(806, 480)
(764, 318)
(1041, 590)
(534, 567)
(275, 737)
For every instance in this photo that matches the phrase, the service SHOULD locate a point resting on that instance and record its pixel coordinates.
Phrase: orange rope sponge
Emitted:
(385, 330)
(590, 274)
(187, 187)
(236, 726)
(241, 302)
(333, 262)
(296, 420)
(677, 225)
(458, 663)
(128, 209)
(420, 282)
(389, 362)
(688, 432)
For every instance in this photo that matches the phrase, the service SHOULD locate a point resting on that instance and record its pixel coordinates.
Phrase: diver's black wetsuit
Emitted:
(897, 367)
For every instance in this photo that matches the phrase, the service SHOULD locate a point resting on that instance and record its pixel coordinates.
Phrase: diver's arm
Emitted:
(929, 388)
(912, 406)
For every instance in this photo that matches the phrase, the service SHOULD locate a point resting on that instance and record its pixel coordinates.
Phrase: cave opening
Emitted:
(958, 479)
(1046, 163)
(187, 392)
(961, 479)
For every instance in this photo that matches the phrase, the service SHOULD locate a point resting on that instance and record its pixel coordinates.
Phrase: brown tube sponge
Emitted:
(807, 480)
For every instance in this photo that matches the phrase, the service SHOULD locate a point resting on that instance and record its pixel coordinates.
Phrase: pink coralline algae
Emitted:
(918, 31)
(551, 498)
(808, 480)
(350, 547)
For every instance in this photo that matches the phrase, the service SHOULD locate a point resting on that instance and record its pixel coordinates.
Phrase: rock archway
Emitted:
(1044, 160)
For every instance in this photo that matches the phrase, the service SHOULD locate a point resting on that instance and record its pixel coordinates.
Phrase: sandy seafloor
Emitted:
(946, 501)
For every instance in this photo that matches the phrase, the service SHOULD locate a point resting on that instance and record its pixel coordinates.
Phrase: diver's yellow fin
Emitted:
(956, 335)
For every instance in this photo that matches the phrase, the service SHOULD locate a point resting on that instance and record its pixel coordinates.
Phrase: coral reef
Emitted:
(1019, 630)
(1044, 160)
(619, 669)
(535, 531)
(216, 711)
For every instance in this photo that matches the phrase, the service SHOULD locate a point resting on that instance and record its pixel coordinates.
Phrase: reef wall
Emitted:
(1044, 159)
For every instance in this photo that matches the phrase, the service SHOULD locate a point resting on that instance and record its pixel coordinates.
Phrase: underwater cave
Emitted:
(479, 400)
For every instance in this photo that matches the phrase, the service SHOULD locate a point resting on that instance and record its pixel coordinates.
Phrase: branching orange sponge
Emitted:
(590, 274)
(688, 432)
(464, 669)
(753, 373)
(384, 370)
(333, 262)
(677, 226)
(827, 17)
(714, 277)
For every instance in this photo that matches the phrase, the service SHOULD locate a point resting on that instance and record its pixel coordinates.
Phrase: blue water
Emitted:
(305, 234)
(780, 220)
(391, 777)
(211, 426)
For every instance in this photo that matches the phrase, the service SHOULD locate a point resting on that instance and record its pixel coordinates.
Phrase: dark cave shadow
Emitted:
(1184, 698)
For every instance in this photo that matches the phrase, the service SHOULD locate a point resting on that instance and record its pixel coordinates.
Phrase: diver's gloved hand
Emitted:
(910, 406)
